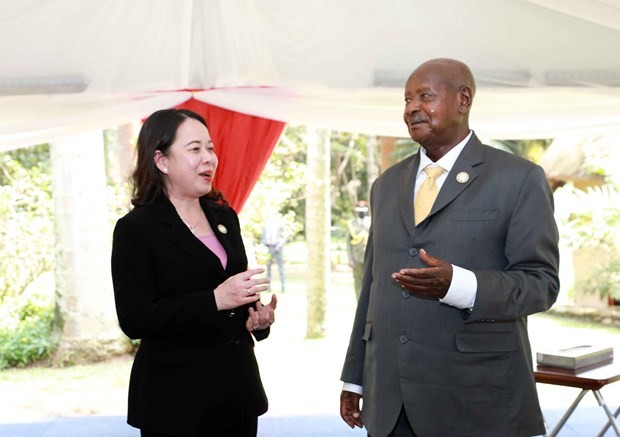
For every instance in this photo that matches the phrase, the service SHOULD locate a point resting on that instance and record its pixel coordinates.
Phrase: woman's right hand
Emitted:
(240, 289)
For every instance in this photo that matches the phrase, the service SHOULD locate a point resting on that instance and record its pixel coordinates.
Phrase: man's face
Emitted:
(431, 107)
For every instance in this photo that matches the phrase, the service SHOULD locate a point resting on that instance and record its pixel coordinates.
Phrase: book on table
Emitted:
(575, 357)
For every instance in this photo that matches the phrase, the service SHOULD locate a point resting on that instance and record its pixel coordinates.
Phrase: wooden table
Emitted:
(590, 378)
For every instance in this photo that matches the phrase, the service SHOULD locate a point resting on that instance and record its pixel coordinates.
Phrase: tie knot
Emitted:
(433, 172)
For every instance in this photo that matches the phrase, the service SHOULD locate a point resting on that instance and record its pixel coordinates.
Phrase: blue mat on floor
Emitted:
(116, 426)
(585, 421)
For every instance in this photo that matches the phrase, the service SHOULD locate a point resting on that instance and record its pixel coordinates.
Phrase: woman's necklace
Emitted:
(192, 228)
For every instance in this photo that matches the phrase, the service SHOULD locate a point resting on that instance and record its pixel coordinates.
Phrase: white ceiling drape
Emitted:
(543, 67)
(499, 113)
(28, 120)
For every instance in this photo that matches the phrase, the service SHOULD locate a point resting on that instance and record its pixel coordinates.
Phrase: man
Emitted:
(274, 238)
(357, 238)
(439, 345)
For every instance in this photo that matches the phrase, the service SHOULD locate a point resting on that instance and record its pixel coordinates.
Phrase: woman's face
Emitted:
(189, 167)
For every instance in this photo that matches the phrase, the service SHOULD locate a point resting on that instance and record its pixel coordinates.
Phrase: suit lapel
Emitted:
(179, 235)
(462, 175)
(221, 227)
(405, 191)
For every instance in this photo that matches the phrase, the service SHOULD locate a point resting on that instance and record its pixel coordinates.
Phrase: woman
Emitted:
(182, 286)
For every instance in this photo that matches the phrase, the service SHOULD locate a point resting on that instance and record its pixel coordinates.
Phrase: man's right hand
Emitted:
(350, 408)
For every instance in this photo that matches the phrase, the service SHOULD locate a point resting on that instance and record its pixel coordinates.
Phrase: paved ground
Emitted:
(301, 377)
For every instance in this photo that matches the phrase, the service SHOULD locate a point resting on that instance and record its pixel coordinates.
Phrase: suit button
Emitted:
(406, 294)
(413, 251)
(235, 341)
(403, 339)
(231, 313)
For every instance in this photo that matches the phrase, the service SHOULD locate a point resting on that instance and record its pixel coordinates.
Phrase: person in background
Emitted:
(357, 238)
(274, 238)
(463, 246)
(182, 286)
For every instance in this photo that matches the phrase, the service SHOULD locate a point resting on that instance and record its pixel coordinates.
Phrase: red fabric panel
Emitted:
(243, 144)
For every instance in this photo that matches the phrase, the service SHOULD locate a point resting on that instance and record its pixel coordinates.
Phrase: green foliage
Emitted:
(118, 189)
(119, 200)
(403, 148)
(29, 158)
(349, 173)
(528, 149)
(26, 220)
(281, 187)
(26, 328)
(604, 280)
(26, 255)
(594, 217)
(592, 220)
(601, 156)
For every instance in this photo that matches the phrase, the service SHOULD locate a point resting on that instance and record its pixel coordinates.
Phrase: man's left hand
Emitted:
(432, 281)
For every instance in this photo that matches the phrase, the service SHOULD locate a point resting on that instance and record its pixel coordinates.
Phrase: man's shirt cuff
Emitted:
(347, 386)
(462, 291)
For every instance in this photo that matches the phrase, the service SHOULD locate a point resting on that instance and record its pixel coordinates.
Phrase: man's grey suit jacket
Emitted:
(458, 373)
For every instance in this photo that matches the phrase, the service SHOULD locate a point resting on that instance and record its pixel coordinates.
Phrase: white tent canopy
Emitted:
(544, 67)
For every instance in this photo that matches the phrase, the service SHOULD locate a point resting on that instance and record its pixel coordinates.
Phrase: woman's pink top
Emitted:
(216, 247)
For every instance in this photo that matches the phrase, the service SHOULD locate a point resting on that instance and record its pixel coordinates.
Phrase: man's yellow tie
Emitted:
(427, 193)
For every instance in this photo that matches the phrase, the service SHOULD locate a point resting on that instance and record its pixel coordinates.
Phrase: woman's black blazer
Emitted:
(195, 368)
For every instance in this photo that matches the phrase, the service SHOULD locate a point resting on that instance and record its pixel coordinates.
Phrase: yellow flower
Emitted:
(24, 339)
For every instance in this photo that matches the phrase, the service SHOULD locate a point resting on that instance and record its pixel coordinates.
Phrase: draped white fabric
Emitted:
(543, 67)
(28, 120)
(498, 113)
(138, 45)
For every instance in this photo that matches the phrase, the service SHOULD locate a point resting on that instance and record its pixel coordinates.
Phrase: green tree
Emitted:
(528, 149)
(349, 174)
(318, 224)
(26, 223)
(280, 188)
(27, 313)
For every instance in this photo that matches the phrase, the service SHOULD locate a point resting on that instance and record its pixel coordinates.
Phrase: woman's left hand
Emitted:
(264, 315)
